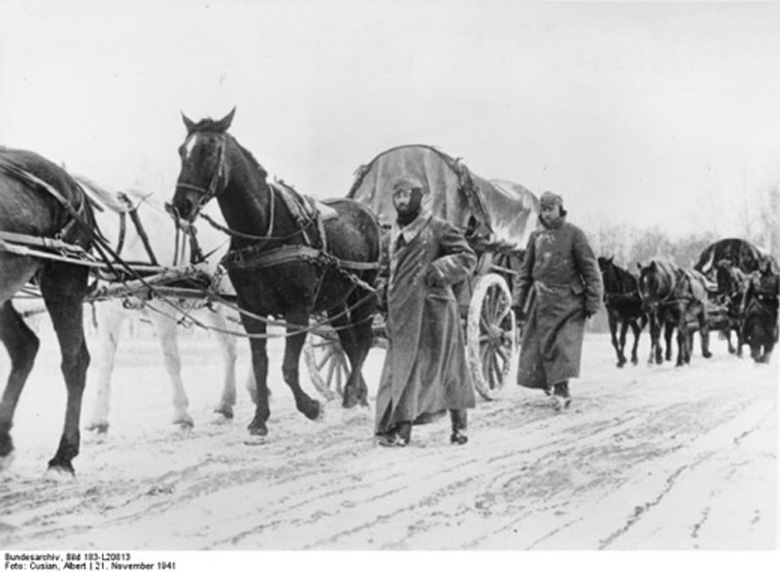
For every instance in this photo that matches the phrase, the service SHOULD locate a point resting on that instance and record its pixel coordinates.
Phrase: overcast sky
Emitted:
(650, 113)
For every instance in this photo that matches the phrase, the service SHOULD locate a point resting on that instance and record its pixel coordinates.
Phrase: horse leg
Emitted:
(704, 333)
(740, 339)
(169, 342)
(63, 291)
(637, 330)
(613, 337)
(356, 341)
(297, 321)
(110, 316)
(655, 340)
(622, 343)
(683, 340)
(755, 350)
(668, 332)
(227, 347)
(769, 347)
(22, 345)
(727, 334)
(257, 345)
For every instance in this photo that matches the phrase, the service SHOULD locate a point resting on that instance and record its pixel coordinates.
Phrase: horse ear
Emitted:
(224, 123)
(188, 123)
(611, 258)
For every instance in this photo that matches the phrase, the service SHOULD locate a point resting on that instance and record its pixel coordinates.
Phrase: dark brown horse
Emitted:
(282, 266)
(673, 296)
(39, 199)
(624, 307)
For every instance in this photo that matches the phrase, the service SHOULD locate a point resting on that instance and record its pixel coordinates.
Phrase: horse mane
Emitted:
(251, 157)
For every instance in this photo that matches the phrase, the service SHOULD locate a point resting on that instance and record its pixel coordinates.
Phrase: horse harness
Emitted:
(63, 241)
(304, 210)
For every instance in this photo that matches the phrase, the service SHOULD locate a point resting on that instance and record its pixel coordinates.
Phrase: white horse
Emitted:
(155, 242)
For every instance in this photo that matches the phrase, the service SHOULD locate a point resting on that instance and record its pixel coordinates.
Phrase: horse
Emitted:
(624, 307)
(760, 306)
(725, 313)
(151, 239)
(671, 295)
(42, 203)
(282, 261)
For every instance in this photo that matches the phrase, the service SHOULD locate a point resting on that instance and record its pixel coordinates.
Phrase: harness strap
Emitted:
(250, 258)
(139, 227)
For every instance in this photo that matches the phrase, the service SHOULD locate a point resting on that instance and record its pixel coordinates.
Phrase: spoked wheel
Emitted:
(327, 363)
(491, 335)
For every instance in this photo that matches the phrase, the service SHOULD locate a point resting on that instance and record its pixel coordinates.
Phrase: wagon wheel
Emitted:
(490, 335)
(327, 363)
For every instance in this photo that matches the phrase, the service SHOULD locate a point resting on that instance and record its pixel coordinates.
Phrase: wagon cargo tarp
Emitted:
(493, 214)
(742, 254)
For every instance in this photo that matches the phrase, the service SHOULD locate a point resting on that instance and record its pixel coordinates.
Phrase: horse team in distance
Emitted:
(716, 295)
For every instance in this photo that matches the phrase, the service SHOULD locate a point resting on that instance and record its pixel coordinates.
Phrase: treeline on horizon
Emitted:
(757, 221)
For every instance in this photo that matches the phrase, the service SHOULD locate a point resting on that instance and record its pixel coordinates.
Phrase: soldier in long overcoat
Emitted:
(558, 287)
(425, 371)
(760, 308)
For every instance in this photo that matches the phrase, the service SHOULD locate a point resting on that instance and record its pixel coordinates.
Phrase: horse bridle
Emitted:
(220, 172)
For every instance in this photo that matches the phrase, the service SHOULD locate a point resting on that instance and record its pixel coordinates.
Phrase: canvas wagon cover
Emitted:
(743, 255)
(492, 214)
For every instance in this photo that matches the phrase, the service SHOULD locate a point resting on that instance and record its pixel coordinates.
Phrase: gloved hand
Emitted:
(433, 277)
(589, 313)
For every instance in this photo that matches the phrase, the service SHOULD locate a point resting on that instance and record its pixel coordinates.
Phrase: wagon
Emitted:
(742, 254)
(496, 218)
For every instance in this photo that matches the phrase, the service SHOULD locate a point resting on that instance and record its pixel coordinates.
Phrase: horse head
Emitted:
(204, 169)
(649, 285)
(609, 274)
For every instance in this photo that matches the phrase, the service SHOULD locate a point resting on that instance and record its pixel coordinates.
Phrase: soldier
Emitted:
(759, 307)
(425, 371)
(559, 282)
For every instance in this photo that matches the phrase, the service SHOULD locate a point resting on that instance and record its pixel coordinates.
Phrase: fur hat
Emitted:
(550, 199)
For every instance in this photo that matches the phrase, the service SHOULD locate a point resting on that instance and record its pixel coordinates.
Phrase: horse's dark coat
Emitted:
(29, 208)
(624, 307)
(671, 295)
(214, 165)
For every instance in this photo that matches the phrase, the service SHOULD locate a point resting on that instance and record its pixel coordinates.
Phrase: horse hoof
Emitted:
(98, 427)
(315, 411)
(6, 461)
(707, 355)
(60, 473)
(186, 424)
(223, 415)
(257, 429)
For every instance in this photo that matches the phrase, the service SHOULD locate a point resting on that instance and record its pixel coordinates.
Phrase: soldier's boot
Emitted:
(458, 417)
(561, 396)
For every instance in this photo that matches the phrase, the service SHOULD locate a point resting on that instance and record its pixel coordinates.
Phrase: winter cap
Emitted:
(550, 199)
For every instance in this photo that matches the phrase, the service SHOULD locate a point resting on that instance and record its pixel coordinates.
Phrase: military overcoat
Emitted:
(558, 283)
(425, 371)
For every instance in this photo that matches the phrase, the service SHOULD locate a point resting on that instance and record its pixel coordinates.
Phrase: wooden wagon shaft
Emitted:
(45, 242)
(141, 286)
